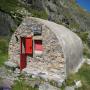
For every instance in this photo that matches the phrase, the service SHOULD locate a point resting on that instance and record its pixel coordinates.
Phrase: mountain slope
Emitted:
(63, 11)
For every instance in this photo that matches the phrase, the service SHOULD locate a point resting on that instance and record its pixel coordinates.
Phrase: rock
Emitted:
(69, 88)
(6, 83)
(88, 61)
(37, 83)
(43, 75)
(2, 72)
(10, 64)
(52, 7)
(23, 12)
(17, 71)
(30, 72)
(78, 84)
(47, 87)
(34, 76)
(59, 80)
(6, 24)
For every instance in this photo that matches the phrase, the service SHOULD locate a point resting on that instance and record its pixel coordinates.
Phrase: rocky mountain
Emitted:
(66, 12)
(7, 24)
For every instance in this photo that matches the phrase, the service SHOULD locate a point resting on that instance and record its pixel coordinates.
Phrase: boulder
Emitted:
(88, 61)
(47, 86)
(69, 88)
(10, 64)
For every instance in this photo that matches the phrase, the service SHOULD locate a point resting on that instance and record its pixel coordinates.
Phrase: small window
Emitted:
(37, 30)
(38, 48)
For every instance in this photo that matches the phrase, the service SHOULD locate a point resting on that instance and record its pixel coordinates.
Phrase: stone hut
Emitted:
(42, 47)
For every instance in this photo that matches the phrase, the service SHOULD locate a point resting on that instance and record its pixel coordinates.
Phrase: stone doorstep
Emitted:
(47, 86)
(56, 77)
(69, 88)
(44, 75)
(10, 64)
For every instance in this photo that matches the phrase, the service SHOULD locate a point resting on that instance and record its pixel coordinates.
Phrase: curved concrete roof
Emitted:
(70, 42)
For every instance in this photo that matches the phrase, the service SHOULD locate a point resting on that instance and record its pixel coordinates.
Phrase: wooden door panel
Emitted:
(28, 45)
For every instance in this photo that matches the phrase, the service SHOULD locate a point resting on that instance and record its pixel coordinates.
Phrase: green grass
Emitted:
(83, 75)
(21, 85)
(84, 38)
(40, 14)
(9, 5)
(3, 58)
(3, 50)
(86, 51)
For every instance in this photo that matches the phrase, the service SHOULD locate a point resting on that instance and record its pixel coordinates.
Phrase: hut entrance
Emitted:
(26, 47)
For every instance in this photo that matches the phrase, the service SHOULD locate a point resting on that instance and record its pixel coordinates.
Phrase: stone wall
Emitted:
(52, 60)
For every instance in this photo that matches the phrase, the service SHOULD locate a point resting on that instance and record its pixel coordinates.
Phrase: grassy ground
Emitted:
(21, 85)
(3, 50)
(86, 44)
(3, 58)
(83, 75)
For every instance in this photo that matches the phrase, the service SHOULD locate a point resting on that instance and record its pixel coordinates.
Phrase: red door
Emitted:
(22, 61)
(28, 45)
(26, 42)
